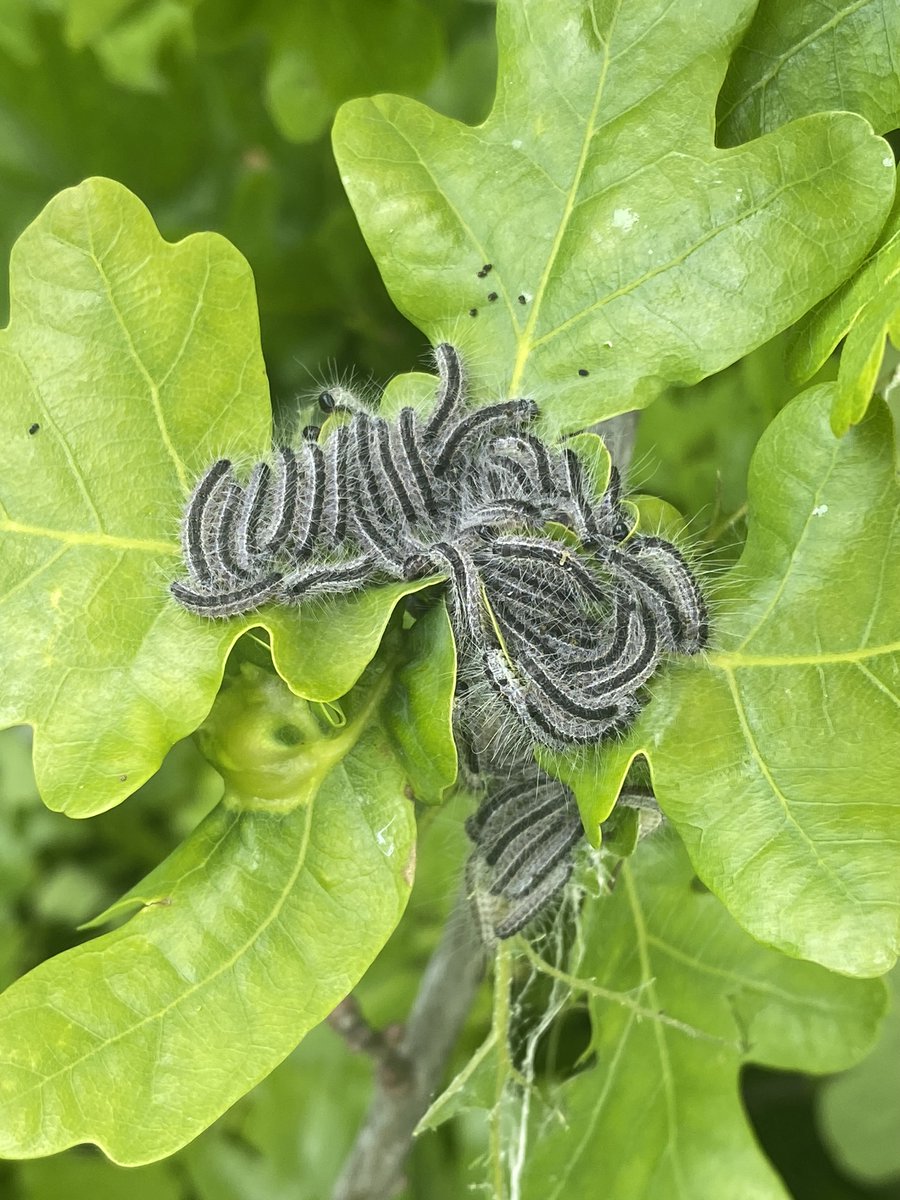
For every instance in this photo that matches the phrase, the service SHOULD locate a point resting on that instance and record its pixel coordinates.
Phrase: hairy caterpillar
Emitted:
(556, 637)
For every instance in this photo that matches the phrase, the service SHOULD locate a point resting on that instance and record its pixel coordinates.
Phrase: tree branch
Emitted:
(380, 1045)
(410, 1069)
(375, 1165)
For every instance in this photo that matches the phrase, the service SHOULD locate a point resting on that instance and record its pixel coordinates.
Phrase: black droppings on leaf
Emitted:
(473, 312)
(485, 270)
(583, 372)
(33, 429)
(492, 296)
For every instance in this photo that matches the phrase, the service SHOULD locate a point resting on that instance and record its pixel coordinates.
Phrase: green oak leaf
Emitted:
(248, 935)
(659, 1114)
(810, 56)
(772, 754)
(806, 57)
(321, 651)
(866, 309)
(128, 366)
(585, 771)
(129, 43)
(697, 460)
(322, 54)
(623, 244)
(859, 1112)
(419, 711)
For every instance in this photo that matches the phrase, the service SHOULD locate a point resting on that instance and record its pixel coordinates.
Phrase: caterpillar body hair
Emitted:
(558, 636)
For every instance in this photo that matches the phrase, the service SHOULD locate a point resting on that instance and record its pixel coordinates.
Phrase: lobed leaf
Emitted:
(247, 936)
(866, 309)
(658, 1114)
(771, 755)
(623, 244)
(810, 56)
(128, 366)
(802, 58)
(321, 650)
(587, 772)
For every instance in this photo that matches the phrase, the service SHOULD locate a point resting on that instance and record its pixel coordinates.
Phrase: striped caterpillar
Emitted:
(557, 630)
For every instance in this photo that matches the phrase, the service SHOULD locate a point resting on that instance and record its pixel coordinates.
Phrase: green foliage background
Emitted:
(217, 116)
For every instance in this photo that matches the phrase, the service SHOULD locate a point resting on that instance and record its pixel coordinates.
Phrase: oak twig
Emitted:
(406, 1081)
(411, 1066)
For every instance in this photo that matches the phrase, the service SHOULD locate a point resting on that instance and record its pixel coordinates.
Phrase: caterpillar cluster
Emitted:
(557, 630)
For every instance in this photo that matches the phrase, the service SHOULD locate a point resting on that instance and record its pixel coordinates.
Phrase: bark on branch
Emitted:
(408, 1080)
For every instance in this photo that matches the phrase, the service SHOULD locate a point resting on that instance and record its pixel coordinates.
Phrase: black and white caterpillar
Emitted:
(560, 611)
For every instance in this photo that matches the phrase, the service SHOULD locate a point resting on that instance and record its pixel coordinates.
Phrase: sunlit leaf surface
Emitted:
(773, 754)
(810, 56)
(659, 1114)
(246, 937)
(129, 365)
(625, 250)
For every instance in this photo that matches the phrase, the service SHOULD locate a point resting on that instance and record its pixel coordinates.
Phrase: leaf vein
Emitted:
(150, 383)
(525, 342)
(778, 63)
(777, 792)
(641, 940)
(106, 541)
(32, 575)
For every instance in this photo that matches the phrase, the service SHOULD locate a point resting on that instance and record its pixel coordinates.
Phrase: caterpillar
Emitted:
(561, 613)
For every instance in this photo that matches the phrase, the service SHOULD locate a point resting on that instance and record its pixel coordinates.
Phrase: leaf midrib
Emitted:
(791, 52)
(524, 340)
(735, 660)
(107, 541)
(347, 740)
(746, 982)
